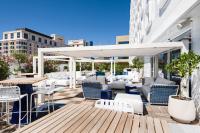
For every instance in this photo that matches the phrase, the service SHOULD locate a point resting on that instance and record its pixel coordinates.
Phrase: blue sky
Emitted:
(96, 20)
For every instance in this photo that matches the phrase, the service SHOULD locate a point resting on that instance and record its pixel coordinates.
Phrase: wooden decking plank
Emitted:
(136, 124)
(49, 116)
(106, 124)
(87, 121)
(64, 120)
(165, 126)
(76, 125)
(114, 123)
(121, 124)
(46, 121)
(128, 125)
(61, 123)
(77, 118)
(100, 122)
(150, 125)
(93, 122)
(59, 119)
(143, 125)
(158, 126)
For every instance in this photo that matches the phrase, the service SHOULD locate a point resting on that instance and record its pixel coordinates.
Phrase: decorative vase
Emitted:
(183, 111)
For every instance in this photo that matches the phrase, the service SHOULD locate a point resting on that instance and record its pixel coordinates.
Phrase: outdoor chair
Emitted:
(12, 94)
(158, 91)
(92, 89)
(44, 90)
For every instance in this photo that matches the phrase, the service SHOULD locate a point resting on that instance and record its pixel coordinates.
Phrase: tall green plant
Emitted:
(137, 64)
(4, 70)
(184, 65)
(120, 67)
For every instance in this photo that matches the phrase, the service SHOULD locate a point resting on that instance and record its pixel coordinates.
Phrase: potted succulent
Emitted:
(181, 107)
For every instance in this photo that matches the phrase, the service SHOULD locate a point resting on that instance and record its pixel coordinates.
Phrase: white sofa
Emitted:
(60, 78)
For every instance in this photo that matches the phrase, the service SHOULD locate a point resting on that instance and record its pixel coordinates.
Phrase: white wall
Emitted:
(196, 74)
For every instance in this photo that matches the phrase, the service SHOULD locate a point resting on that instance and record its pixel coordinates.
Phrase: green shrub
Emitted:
(50, 66)
(4, 70)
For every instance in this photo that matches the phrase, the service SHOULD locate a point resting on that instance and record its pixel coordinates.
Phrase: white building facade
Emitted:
(79, 43)
(164, 21)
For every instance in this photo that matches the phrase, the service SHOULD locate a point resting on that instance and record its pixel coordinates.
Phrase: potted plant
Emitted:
(181, 107)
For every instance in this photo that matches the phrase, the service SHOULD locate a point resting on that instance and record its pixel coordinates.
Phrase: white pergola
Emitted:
(75, 53)
(80, 60)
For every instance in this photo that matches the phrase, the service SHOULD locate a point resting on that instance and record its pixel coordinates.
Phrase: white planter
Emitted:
(182, 110)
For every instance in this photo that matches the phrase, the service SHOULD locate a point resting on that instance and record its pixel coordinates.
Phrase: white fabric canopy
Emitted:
(147, 49)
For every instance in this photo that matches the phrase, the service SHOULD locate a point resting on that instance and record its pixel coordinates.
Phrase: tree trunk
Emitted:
(184, 87)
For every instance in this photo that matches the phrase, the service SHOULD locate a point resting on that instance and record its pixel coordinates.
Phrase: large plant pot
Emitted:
(181, 110)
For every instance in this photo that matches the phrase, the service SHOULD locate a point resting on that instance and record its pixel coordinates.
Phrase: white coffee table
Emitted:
(136, 100)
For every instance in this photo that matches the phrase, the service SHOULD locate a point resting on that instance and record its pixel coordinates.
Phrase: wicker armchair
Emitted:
(92, 90)
(159, 93)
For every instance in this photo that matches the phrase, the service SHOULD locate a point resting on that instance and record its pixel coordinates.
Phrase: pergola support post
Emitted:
(70, 73)
(74, 72)
(111, 70)
(93, 66)
(34, 64)
(40, 63)
(114, 63)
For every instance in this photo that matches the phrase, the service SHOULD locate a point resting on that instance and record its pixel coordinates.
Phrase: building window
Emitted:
(11, 43)
(50, 42)
(39, 39)
(12, 35)
(123, 42)
(5, 36)
(18, 34)
(45, 41)
(0, 44)
(55, 44)
(33, 38)
(25, 35)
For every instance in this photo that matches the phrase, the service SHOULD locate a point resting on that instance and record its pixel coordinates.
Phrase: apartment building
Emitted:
(120, 40)
(24, 40)
(79, 43)
(164, 21)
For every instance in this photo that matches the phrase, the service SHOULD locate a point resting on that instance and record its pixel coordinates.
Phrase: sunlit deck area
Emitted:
(86, 118)
(80, 115)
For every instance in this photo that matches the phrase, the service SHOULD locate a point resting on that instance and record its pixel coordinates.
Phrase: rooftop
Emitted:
(35, 32)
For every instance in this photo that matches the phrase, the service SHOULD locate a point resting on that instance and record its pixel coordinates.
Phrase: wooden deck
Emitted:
(88, 119)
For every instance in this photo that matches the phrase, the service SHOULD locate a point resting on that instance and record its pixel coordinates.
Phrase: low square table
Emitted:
(136, 100)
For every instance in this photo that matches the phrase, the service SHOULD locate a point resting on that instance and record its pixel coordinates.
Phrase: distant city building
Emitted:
(79, 43)
(27, 41)
(122, 39)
